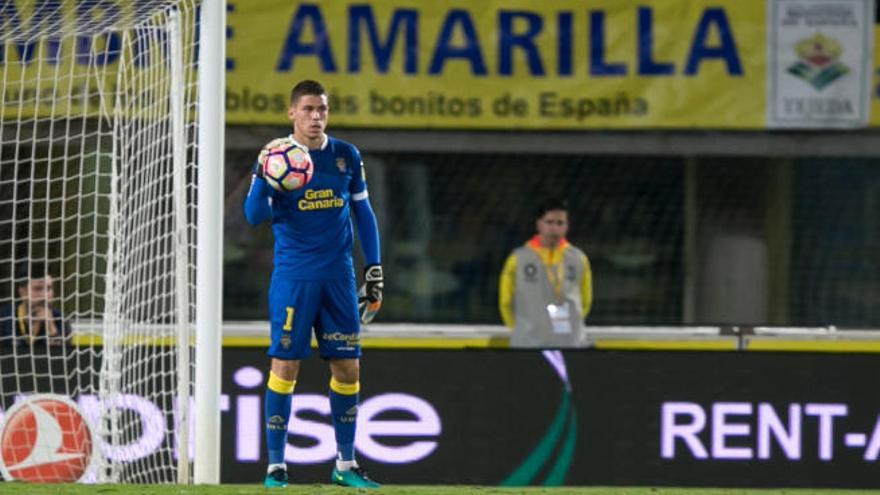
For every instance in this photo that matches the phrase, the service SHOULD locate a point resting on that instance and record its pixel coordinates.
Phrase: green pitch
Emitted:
(29, 489)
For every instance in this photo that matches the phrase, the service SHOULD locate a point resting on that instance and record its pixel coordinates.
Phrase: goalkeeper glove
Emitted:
(370, 294)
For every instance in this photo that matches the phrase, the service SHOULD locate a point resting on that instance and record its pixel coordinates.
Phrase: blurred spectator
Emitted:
(30, 319)
(546, 286)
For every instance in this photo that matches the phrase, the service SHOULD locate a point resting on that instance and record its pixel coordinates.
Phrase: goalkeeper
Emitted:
(313, 282)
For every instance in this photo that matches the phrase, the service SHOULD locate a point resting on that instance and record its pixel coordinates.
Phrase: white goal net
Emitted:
(97, 238)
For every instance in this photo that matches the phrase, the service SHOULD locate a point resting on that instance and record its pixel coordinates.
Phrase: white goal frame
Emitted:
(209, 258)
(112, 178)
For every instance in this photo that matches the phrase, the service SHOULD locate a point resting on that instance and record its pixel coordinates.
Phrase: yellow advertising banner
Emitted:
(875, 82)
(64, 60)
(503, 64)
(460, 64)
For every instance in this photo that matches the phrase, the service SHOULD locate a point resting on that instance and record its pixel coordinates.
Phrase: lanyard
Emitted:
(23, 324)
(552, 270)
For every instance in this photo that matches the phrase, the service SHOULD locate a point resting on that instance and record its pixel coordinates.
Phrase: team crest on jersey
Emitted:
(340, 164)
(285, 341)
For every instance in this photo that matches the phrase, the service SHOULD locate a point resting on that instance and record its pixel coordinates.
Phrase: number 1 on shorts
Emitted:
(288, 323)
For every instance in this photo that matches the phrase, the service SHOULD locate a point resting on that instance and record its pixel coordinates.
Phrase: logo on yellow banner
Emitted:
(818, 64)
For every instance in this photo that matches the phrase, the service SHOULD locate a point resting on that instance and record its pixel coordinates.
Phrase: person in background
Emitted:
(31, 318)
(546, 286)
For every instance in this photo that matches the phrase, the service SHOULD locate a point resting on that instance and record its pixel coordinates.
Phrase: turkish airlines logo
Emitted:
(45, 439)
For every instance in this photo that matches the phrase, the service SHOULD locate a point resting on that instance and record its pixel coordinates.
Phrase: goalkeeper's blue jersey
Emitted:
(312, 225)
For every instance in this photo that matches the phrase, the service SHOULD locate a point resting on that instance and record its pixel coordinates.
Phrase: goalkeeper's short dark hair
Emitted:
(550, 204)
(306, 87)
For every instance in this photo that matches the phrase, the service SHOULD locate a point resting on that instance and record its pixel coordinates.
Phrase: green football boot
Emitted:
(355, 478)
(276, 479)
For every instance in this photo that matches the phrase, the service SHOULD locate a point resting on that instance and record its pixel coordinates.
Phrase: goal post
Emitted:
(209, 315)
(111, 179)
